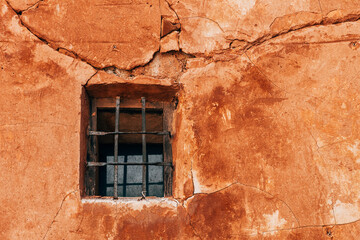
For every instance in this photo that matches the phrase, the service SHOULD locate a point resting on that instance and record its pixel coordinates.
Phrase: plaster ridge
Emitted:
(58, 211)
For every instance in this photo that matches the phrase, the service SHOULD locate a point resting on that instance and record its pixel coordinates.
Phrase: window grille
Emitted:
(127, 160)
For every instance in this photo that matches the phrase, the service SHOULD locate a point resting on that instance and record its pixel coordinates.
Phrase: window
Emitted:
(129, 149)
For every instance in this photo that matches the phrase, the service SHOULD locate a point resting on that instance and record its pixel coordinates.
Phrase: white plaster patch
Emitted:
(57, 8)
(197, 185)
(354, 148)
(243, 6)
(319, 142)
(346, 212)
(228, 114)
(4, 10)
(273, 221)
(15, 26)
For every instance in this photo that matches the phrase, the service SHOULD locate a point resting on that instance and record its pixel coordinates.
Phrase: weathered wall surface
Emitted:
(267, 139)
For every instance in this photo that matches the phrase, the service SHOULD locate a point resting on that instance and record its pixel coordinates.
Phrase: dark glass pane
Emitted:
(130, 177)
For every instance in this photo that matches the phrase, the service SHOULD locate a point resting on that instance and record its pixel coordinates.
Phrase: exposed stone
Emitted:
(170, 42)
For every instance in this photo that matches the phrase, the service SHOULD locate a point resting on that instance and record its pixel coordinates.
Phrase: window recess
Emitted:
(129, 148)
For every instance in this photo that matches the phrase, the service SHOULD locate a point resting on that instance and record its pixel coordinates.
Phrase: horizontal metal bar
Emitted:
(133, 184)
(100, 164)
(99, 133)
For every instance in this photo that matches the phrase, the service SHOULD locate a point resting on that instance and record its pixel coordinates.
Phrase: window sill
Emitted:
(133, 202)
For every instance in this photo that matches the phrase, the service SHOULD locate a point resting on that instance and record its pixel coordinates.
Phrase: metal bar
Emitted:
(99, 133)
(92, 174)
(144, 154)
(167, 119)
(116, 146)
(136, 184)
(125, 176)
(100, 164)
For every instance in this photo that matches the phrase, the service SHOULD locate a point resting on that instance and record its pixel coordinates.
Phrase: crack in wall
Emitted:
(247, 186)
(311, 226)
(271, 93)
(327, 174)
(193, 228)
(211, 20)
(319, 42)
(126, 74)
(321, 10)
(269, 36)
(57, 213)
(28, 8)
(248, 45)
(90, 78)
(46, 41)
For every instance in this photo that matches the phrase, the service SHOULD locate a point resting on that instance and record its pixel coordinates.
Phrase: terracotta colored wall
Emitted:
(267, 139)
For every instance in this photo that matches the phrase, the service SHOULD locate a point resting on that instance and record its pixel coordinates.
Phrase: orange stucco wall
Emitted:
(267, 142)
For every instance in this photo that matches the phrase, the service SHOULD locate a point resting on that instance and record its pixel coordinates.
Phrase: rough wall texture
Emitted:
(267, 139)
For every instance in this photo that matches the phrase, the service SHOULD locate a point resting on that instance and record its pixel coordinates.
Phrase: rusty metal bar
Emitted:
(116, 146)
(100, 164)
(167, 119)
(99, 133)
(144, 154)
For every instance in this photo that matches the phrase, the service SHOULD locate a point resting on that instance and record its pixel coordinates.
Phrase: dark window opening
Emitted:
(129, 151)
(130, 176)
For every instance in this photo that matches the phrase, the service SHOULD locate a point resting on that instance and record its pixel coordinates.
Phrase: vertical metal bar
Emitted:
(167, 119)
(92, 173)
(125, 175)
(116, 146)
(144, 154)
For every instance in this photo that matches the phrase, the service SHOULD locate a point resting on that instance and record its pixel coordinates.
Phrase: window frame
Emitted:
(91, 176)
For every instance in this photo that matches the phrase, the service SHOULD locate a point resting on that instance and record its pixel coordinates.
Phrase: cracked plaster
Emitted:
(273, 148)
